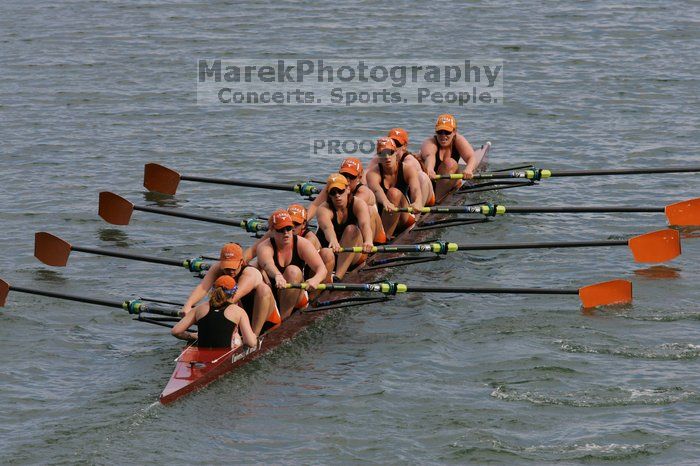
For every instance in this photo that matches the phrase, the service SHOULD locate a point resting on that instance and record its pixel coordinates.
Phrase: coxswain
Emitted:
(352, 170)
(396, 183)
(344, 221)
(284, 257)
(442, 152)
(252, 292)
(220, 322)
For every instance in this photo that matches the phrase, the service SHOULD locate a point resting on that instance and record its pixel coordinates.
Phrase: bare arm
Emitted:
(311, 257)
(413, 180)
(238, 315)
(180, 329)
(252, 251)
(313, 207)
(267, 264)
(374, 182)
(325, 223)
(428, 152)
(361, 211)
(201, 290)
(249, 279)
(467, 154)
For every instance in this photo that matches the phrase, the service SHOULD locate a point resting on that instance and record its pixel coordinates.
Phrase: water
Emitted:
(92, 91)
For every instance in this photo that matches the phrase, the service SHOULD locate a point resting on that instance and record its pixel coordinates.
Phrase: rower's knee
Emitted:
(293, 274)
(351, 234)
(449, 166)
(394, 195)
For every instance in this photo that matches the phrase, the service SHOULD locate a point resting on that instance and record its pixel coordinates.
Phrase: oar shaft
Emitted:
(124, 255)
(582, 209)
(201, 218)
(544, 245)
(69, 297)
(233, 182)
(460, 289)
(626, 171)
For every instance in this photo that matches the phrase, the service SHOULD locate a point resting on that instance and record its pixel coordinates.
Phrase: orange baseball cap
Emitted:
(297, 212)
(446, 122)
(227, 282)
(352, 166)
(280, 219)
(384, 144)
(336, 180)
(399, 134)
(231, 256)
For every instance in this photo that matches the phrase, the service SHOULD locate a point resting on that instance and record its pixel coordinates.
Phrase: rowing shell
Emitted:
(198, 367)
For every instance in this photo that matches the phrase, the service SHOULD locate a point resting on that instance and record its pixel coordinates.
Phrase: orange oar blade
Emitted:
(605, 293)
(685, 213)
(657, 246)
(50, 249)
(115, 209)
(160, 179)
(4, 291)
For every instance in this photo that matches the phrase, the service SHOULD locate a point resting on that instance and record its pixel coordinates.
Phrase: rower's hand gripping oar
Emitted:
(52, 250)
(134, 306)
(165, 180)
(657, 246)
(684, 213)
(537, 174)
(116, 210)
(599, 294)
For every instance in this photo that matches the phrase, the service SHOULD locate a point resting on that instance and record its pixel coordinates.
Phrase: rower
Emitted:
(395, 183)
(344, 220)
(299, 216)
(284, 257)
(351, 169)
(441, 154)
(252, 291)
(218, 320)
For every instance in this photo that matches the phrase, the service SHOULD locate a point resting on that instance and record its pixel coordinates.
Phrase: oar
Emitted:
(52, 250)
(684, 213)
(116, 210)
(657, 246)
(134, 306)
(537, 174)
(165, 180)
(599, 294)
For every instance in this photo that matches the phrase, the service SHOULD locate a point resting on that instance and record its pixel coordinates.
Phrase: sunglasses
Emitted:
(398, 143)
(386, 153)
(336, 192)
(284, 229)
(298, 224)
(349, 177)
(444, 132)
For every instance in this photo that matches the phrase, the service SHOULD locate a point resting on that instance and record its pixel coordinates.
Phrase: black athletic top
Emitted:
(455, 153)
(296, 258)
(215, 330)
(338, 228)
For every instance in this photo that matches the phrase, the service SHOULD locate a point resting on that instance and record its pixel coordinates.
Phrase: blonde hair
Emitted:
(218, 298)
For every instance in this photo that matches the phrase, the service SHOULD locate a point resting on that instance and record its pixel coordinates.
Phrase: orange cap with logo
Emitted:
(384, 144)
(336, 180)
(446, 122)
(352, 166)
(280, 219)
(297, 212)
(226, 282)
(231, 256)
(399, 134)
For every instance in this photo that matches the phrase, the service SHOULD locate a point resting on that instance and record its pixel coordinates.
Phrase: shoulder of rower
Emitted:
(428, 147)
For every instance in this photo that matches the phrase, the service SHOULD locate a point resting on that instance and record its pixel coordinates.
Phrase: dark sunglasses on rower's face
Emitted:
(284, 229)
(336, 192)
(398, 144)
(297, 224)
(444, 132)
(349, 177)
